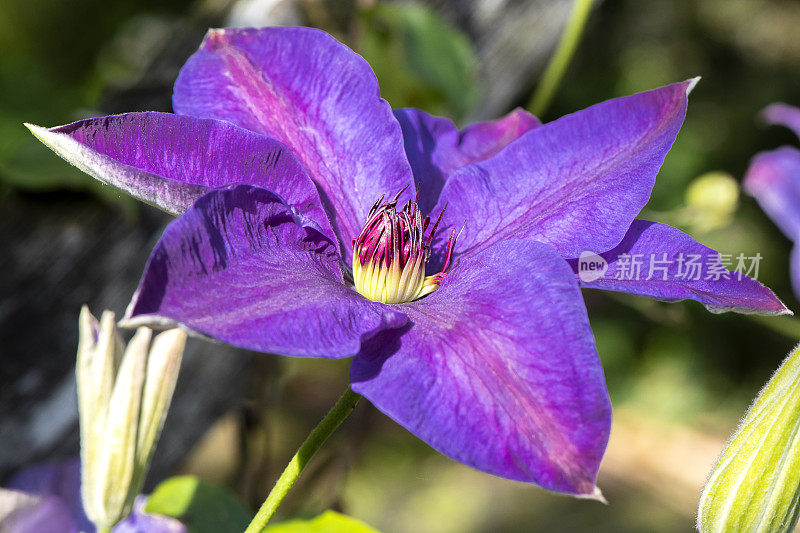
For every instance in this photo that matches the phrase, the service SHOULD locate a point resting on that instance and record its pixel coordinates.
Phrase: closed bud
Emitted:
(755, 485)
(123, 397)
(711, 201)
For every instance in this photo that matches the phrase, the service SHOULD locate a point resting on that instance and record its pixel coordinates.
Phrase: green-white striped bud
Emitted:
(123, 398)
(755, 485)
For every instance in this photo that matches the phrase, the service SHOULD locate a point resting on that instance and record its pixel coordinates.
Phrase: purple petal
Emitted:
(435, 148)
(774, 180)
(141, 522)
(315, 95)
(498, 370)
(662, 262)
(59, 478)
(241, 267)
(169, 161)
(484, 139)
(431, 147)
(21, 512)
(576, 183)
(784, 115)
(794, 270)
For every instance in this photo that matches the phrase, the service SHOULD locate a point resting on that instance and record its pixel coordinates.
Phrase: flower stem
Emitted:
(558, 63)
(313, 442)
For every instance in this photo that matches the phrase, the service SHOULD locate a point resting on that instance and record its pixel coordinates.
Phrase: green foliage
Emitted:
(49, 75)
(327, 522)
(420, 60)
(203, 507)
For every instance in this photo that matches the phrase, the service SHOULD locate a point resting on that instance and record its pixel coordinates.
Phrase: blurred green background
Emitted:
(679, 376)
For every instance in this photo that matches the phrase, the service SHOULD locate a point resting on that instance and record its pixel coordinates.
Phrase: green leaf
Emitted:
(203, 507)
(327, 522)
(419, 59)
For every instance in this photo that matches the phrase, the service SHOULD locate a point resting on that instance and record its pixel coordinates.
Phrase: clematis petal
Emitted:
(794, 269)
(140, 521)
(482, 140)
(239, 266)
(169, 161)
(773, 178)
(662, 262)
(783, 115)
(574, 183)
(435, 148)
(21, 512)
(315, 95)
(60, 479)
(498, 370)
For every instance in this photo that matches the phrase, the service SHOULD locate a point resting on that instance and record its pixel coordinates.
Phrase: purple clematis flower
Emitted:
(774, 180)
(300, 233)
(47, 498)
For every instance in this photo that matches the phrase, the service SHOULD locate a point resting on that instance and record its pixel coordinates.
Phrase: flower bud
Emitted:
(123, 397)
(711, 201)
(755, 485)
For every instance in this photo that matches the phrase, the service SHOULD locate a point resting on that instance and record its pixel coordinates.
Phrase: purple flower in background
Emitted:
(278, 162)
(46, 498)
(774, 180)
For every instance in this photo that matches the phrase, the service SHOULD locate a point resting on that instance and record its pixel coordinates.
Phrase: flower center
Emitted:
(390, 253)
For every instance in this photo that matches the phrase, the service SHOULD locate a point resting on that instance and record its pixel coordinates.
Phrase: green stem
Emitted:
(558, 63)
(318, 436)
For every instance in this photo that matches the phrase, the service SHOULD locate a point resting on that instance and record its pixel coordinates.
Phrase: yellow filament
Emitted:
(392, 285)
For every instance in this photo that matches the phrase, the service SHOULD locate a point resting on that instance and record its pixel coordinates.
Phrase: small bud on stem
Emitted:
(123, 398)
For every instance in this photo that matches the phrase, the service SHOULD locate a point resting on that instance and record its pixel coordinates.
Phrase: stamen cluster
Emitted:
(390, 253)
